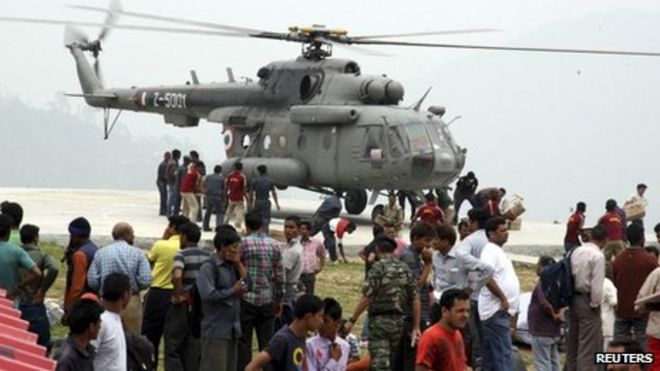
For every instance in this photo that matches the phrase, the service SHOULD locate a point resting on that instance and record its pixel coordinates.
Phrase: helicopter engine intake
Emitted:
(381, 90)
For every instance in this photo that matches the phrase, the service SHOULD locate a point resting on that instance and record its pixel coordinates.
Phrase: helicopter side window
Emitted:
(374, 143)
(397, 146)
(419, 139)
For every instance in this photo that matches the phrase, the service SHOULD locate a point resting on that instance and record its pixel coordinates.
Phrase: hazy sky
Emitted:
(555, 129)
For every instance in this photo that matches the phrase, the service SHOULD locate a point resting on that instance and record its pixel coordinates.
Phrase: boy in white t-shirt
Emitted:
(111, 343)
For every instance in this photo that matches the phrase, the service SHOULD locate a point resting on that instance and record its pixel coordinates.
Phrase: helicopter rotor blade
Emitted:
(509, 48)
(126, 27)
(110, 18)
(425, 33)
(73, 35)
(189, 22)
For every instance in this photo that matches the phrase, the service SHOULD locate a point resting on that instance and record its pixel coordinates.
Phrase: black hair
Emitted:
(332, 308)
(581, 206)
(479, 215)
(191, 231)
(503, 191)
(447, 233)
(217, 169)
(194, 154)
(306, 223)
(641, 185)
(377, 230)
(83, 313)
(351, 226)
(635, 234)
(238, 166)
(225, 238)
(176, 154)
(307, 304)
(29, 233)
(176, 221)
(546, 260)
(629, 346)
(262, 169)
(599, 233)
(493, 223)
(421, 230)
(652, 249)
(254, 220)
(429, 197)
(610, 205)
(6, 222)
(293, 218)
(225, 227)
(656, 229)
(449, 298)
(14, 210)
(470, 174)
(114, 286)
(385, 244)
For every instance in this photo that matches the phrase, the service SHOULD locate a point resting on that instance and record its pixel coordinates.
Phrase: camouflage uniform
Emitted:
(391, 288)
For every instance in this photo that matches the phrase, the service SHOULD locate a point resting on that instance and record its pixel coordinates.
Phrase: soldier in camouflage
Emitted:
(389, 292)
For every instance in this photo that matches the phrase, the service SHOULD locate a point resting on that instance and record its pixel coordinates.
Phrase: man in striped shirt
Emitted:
(262, 258)
(182, 349)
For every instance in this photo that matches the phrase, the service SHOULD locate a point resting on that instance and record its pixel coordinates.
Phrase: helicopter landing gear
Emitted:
(355, 201)
(376, 212)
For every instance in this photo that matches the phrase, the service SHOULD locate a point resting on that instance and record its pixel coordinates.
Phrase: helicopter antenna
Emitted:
(193, 76)
(417, 105)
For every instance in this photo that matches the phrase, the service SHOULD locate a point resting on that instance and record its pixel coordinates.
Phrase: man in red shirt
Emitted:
(430, 213)
(236, 186)
(574, 227)
(629, 270)
(188, 186)
(441, 346)
(612, 222)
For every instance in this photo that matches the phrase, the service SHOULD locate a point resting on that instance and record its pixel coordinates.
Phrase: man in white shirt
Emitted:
(498, 317)
(111, 343)
(327, 351)
(638, 198)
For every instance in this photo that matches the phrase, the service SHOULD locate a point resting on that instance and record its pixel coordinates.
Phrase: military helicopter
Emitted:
(317, 122)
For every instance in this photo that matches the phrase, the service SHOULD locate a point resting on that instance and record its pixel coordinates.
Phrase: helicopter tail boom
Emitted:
(89, 81)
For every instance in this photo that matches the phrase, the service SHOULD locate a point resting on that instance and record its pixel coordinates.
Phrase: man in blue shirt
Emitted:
(214, 191)
(122, 257)
(260, 187)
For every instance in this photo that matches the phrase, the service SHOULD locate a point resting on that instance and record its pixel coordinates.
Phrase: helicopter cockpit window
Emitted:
(437, 136)
(419, 139)
(374, 143)
(396, 142)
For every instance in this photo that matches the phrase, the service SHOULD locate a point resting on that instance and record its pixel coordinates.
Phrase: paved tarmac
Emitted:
(53, 209)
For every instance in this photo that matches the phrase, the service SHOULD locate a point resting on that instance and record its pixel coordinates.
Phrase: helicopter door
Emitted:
(374, 146)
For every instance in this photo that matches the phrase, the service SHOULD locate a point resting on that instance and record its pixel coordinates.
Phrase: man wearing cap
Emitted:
(78, 256)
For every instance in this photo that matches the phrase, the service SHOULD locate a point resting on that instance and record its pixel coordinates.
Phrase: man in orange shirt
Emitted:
(78, 257)
(441, 346)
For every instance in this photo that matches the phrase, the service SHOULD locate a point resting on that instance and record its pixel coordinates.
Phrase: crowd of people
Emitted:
(435, 299)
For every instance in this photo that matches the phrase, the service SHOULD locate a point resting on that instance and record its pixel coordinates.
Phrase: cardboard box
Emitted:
(515, 225)
(634, 210)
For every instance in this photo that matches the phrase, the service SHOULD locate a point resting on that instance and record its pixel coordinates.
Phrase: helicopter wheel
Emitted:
(376, 212)
(281, 187)
(355, 201)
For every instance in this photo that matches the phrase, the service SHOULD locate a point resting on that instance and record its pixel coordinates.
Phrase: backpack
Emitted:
(195, 314)
(139, 353)
(557, 282)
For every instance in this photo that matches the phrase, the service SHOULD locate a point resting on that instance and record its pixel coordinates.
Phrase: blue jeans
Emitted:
(162, 193)
(546, 353)
(623, 328)
(36, 315)
(213, 206)
(496, 345)
(172, 196)
(329, 241)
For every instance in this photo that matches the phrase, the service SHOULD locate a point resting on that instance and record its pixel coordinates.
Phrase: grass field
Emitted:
(341, 281)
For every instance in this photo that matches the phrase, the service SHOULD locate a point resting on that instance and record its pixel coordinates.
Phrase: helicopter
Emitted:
(317, 122)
